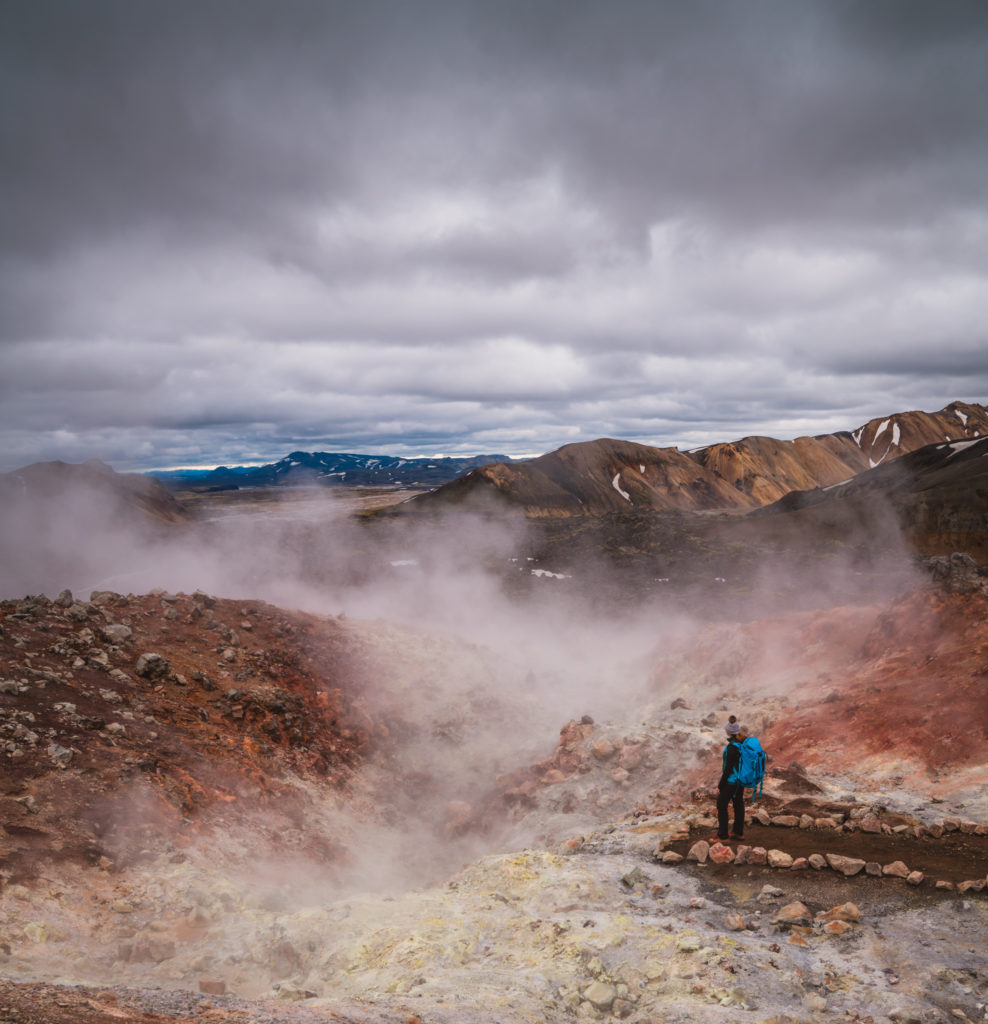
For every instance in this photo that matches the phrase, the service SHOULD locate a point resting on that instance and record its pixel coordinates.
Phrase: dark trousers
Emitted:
(730, 795)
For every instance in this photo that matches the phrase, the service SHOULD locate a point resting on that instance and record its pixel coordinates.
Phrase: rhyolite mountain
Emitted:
(603, 476)
(938, 495)
(330, 469)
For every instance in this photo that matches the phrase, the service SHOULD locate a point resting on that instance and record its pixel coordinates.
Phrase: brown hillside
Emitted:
(606, 475)
(767, 469)
(46, 483)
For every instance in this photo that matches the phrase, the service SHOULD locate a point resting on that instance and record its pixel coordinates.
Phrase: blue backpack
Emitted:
(750, 771)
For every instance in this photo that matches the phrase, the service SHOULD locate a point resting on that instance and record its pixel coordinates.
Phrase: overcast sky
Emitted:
(233, 229)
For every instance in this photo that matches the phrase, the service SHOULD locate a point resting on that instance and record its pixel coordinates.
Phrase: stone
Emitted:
(792, 913)
(758, 855)
(982, 829)
(935, 830)
(797, 940)
(602, 749)
(951, 824)
(699, 852)
(896, 869)
(60, 756)
(969, 827)
(290, 993)
(721, 854)
(975, 885)
(741, 854)
(843, 912)
(817, 861)
(870, 824)
(785, 820)
(77, 612)
(946, 886)
(688, 943)
(845, 865)
(620, 775)
(915, 877)
(762, 816)
(117, 633)
(837, 927)
(806, 821)
(600, 995)
(735, 922)
(826, 823)
(671, 857)
(874, 869)
(152, 666)
(799, 864)
(779, 859)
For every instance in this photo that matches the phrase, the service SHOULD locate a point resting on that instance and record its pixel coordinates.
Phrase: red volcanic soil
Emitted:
(107, 753)
(916, 690)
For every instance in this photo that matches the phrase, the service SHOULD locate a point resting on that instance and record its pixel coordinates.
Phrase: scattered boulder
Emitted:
(915, 877)
(152, 666)
(699, 852)
(779, 859)
(792, 913)
(721, 854)
(843, 912)
(817, 861)
(600, 995)
(845, 865)
(60, 756)
(896, 869)
(975, 885)
(602, 749)
(786, 820)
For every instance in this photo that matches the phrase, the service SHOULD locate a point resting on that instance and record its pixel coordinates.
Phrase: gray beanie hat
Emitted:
(733, 727)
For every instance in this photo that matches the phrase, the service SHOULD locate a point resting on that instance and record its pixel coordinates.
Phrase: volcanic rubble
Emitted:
(207, 806)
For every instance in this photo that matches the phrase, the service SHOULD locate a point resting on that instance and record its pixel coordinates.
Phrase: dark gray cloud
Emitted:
(228, 229)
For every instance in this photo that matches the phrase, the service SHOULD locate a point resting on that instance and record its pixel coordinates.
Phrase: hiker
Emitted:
(730, 792)
(743, 766)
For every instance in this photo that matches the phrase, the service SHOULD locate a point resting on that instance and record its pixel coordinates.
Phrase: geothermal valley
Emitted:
(264, 763)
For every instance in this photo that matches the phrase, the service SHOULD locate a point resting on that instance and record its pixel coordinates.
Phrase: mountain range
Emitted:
(329, 469)
(603, 476)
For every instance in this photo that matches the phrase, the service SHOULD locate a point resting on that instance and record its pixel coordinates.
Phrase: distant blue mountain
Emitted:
(330, 469)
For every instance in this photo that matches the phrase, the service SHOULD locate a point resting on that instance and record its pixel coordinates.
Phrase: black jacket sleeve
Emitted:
(732, 758)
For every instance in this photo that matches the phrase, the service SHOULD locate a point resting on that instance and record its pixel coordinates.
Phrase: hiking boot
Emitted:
(717, 839)
(737, 835)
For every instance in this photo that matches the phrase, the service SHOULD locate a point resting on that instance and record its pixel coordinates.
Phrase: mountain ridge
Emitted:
(607, 475)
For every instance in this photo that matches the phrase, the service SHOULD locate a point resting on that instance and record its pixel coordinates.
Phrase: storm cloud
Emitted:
(232, 229)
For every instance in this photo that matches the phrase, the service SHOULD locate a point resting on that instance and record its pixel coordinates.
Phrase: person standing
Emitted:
(728, 792)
